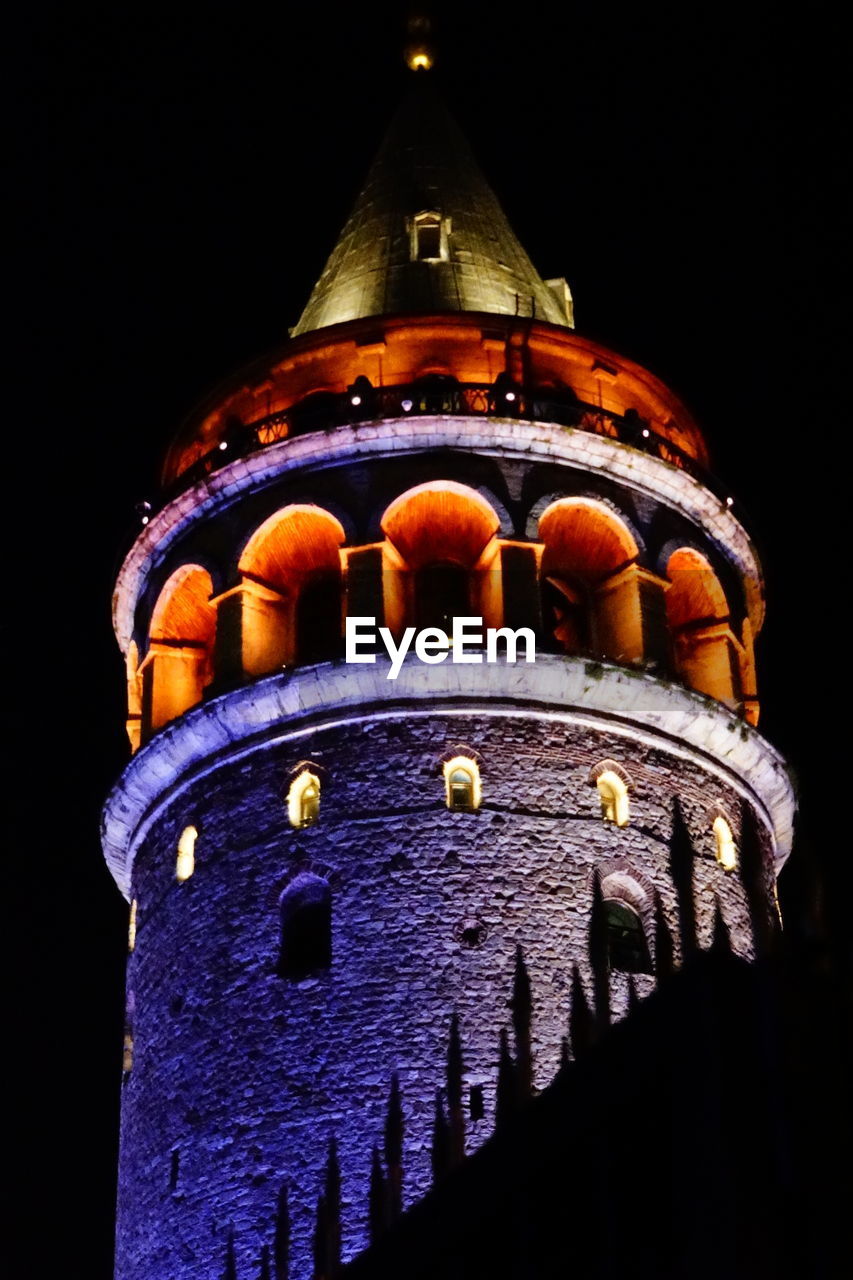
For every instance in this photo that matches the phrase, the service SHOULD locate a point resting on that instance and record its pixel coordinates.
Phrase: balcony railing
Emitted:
(325, 411)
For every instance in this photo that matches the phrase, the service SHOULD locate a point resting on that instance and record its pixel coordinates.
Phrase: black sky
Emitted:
(184, 172)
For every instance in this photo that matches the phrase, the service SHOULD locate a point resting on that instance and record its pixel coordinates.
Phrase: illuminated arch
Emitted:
(590, 597)
(441, 557)
(134, 696)
(303, 799)
(185, 860)
(707, 654)
(613, 795)
(291, 590)
(179, 663)
(724, 843)
(462, 783)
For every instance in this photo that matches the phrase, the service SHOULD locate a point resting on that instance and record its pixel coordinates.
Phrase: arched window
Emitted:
(305, 909)
(131, 927)
(627, 948)
(613, 794)
(427, 238)
(590, 599)
(726, 849)
(462, 783)
(303, 799)
(185, 861)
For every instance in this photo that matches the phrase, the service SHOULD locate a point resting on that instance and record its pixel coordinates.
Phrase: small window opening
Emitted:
(127, 1052)
(185, 862)
(462, 782)
(626, 939)
(131, 927)
(306, 927)
(303, 799)
(476, 1103)
(174, 1169)
(726, 848)
(428, 237)
(472, 933)
(614, 798)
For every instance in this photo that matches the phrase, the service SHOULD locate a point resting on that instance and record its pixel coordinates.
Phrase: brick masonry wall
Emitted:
(247, 1076)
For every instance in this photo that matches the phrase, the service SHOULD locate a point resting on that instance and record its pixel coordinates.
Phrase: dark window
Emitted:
(318, 617)
(441, 594)
(174, 1170)
(428, 236)
(476, 1104)
(626, 939)
(565, 610)
(306, 927)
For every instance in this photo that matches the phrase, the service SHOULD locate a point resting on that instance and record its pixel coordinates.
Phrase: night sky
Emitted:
(184, 173)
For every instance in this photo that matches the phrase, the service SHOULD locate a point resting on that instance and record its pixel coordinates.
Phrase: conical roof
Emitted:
(393, 258)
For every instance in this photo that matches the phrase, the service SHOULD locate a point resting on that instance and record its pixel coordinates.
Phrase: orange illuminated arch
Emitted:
(587, 606)
(707, 652)
(183, 613)
(440, 557)
(180, 653)
(134, 696)
(696, 595)
(585, 539)
(293, 612)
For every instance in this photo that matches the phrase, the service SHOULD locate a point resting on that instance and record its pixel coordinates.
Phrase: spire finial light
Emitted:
(419, 51)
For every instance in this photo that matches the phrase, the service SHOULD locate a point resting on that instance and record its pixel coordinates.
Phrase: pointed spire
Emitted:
(321, 1241)
(377, 1210)
(522, 1011)
(506, 1096)
(599, 957)
(382, 264)
(394, 1150)
(754, 877)
(440, 1154)
(281, 1237)
(230, 1272)
(681, 868)
(581, 1025)
(721, 942)
(664, 963)
(456, 1114)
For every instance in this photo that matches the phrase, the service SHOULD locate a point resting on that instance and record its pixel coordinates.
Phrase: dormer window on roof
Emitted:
(429, 237)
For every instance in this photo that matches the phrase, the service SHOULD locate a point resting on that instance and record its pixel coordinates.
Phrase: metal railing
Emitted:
(325, 411)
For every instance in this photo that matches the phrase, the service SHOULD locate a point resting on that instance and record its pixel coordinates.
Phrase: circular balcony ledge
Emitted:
(293, 704)
(495, 437)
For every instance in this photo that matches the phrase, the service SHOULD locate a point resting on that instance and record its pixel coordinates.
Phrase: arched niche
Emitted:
(287, 608)
(305, 915)
(708, 655)
(596, 599)
(179, 662)
(133, 724)
(440, 557)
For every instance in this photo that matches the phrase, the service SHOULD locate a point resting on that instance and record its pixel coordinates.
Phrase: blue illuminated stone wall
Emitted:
(240, 1078)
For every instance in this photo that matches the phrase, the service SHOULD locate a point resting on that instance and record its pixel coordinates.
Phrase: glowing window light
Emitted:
(725, 844)
(729, 502)
(303, 799)
(462, 783)
(223, 444)
(407, 405)
(646, 433)
(614, 798)
(356, 400)
(131, 927)
(185, 862)
(510, 396)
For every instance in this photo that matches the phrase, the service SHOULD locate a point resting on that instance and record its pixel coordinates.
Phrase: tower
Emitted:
(344, 881)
